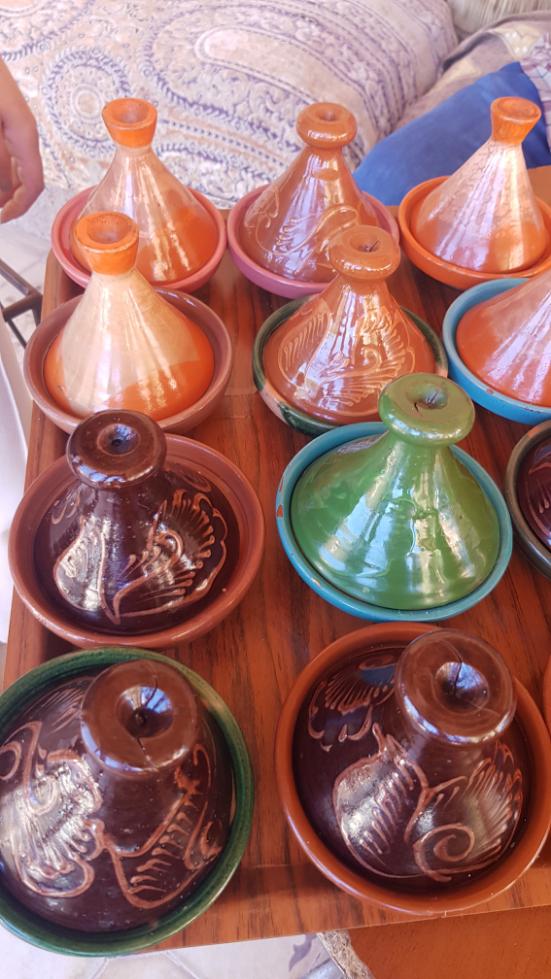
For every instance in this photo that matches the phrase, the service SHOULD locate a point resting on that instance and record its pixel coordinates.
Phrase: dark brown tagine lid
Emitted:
(534, 490)
(131, 546)
(115, 798)
(410, 765)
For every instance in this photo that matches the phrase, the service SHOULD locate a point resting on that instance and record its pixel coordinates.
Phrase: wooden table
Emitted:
(253, 657)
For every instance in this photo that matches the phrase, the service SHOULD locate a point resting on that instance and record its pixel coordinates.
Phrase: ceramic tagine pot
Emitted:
(125, 800)
(324, 362)
(528, 494)
(124, 346)
(280, 235)
(484, 220)
(182, 236)
(135, 535)
(395, 522)
(413, 770)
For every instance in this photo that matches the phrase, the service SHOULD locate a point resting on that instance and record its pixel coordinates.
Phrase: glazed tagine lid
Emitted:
(177, 234)
(398, 521)
(116, 797)
(335, 354)
(124, 346)
(288, 229)
(534, 490)
(410, 764)
(130, 545)
(485, 217)
(506, 341)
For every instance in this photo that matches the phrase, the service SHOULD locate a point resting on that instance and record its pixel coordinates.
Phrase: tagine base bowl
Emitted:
(447, 272)
(290, 413)
(182, 422)
(206, 464)
(355, 606)
(55, 938)
(420, 903)
(535, 550)
(479, 391)
(69, 214)
(271, 281)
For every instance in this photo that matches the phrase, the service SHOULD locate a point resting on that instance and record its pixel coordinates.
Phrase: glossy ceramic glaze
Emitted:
(479, 390)
(151, 775)
(407, 773)
(400, 522)
(117, 540)
(485, 216)
(332, 357)
(52, 326)
(288, 229)
(177, 234)
(528, 494)
(506, 341)
(124, 346)
(287, 410)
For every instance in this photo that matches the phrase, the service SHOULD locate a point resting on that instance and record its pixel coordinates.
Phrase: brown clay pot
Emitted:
(115, 542)
(51, 327)
(333, 356)
(408, 777)
(115, 800)
(528, 494)
(288, 229)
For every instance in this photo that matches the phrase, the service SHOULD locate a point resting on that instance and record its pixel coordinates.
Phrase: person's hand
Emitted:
(21, 179)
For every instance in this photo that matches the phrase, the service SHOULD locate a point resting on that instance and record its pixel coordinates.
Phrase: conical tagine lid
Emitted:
(336, 353)
(124, 346)
(289, 227)
(399, 521)
(178, 236)
(485, 216)
(506, 341)
(534, 490)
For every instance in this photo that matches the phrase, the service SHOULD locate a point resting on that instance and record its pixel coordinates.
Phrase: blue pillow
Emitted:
(437, 143)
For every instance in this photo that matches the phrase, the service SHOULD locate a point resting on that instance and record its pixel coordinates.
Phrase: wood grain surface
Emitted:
(253, 657)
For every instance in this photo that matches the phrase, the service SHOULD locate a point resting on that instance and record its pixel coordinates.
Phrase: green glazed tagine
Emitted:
(398, 521)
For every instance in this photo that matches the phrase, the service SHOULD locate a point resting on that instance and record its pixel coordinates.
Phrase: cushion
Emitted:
(470, 15)
(228, 78)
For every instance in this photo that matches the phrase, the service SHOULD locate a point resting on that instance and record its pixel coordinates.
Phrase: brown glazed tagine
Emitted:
(135, 533)
(333, 355)
(412, 768)
(289, 227)
(115, 798)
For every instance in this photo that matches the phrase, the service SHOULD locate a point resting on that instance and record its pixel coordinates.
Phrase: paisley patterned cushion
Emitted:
(228, 77)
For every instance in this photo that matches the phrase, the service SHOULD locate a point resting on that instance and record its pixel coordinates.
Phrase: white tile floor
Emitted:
(286, 958)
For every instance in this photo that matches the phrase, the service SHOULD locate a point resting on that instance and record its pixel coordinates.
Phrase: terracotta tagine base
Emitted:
(95, 899)
(67, 216)
(184, 421)
(345, 439)
(336, 714)
(272, 281)
(528, 494)
(116, 543)
(482, 393)
(447, 272)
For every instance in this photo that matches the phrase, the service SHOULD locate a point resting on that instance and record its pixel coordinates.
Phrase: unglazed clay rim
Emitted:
(447, 272)
(354, 606)
(180, 450)
(538, 553)
(495, 881)
(211, 324)
(36, 930)
(67, 215)
(289, 413)
(271, 281)
(484, 395)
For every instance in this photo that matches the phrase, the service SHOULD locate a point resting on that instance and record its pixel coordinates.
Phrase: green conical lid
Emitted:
(399, 521)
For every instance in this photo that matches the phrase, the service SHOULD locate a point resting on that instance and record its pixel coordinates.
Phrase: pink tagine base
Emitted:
(278, 284)
(61, 244)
